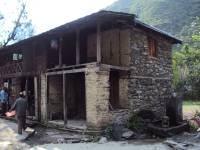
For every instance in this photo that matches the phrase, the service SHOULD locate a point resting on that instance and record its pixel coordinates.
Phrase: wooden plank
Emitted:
(60, 52)
(98, 42)
(66, 71)
(77, 47)
(64, 100)
(72, 66)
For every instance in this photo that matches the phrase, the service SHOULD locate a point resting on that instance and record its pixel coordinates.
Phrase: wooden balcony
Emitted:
(11, 69)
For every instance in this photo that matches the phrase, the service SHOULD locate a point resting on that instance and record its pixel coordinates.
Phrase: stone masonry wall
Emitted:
(97, 98)
(150, 77)
(123, 91)
(55, 97)
(43, 103)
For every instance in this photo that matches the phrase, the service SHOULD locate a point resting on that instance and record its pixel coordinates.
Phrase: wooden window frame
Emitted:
(152, 47)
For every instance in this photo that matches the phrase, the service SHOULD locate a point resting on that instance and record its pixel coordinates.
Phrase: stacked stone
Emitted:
(97, 97)
(150, 77)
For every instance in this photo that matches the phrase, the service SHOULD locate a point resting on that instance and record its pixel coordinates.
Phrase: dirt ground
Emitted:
(53, 136)
(52, 139)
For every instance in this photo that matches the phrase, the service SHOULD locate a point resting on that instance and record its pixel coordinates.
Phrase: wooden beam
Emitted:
(98, 42)
(60, 52)
(66, 71)
(77, 47)
(73, 66)
(64, 101)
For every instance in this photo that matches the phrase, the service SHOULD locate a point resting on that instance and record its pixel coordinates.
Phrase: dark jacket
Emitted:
(20, 107)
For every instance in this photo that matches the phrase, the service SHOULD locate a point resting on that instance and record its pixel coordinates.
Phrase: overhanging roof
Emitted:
(100, 16)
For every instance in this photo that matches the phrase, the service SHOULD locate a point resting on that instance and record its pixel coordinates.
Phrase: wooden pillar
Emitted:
(77, 47)
(60, 52)
(48, 104)
(36, 96)
(26, 95)
(64, 100)
(98, 42)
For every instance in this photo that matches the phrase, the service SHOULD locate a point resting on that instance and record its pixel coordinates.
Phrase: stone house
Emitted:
(86, 73)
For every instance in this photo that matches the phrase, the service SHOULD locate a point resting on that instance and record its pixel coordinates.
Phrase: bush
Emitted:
(135, 123)
(108, 132)
(193, 126)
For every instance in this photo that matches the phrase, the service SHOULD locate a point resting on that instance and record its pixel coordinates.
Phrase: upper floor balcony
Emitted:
(11, 69)
(99, 43)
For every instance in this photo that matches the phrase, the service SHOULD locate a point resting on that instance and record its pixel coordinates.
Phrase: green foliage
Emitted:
(189, 102)
(109, 131)
(180, 18)
(18, 26)
(173, 16)
(197, 114)
(186, 63)
(135, 123)
(192, 127)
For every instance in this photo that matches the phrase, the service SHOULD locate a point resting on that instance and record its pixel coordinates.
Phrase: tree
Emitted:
(21, 27)
(186, 63)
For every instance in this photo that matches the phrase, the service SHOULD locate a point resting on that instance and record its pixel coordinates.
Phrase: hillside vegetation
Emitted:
(172, 16)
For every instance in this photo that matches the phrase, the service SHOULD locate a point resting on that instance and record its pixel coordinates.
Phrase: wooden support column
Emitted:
(48, 104)
(60, 52)
(77, 47)
(36, 96)
(26, 94)
(64, 100)
(98, 42)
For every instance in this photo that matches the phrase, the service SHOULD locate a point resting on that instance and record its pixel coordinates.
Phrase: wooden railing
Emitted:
(11, 69)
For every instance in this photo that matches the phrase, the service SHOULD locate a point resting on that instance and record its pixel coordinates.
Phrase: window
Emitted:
(152, 47)
(17, 56)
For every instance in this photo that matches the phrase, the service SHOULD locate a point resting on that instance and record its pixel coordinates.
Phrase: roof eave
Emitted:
(174, 39)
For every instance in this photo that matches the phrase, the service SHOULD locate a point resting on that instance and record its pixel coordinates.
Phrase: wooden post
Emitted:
(98, 42)
(77, 47)
(48, 104)
(26, 96)
(36, 96)
(64, 100)
(60, 52)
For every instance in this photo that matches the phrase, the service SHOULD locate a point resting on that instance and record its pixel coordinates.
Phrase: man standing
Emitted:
(20, 107)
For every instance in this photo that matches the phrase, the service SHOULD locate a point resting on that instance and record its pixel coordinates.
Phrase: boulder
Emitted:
(128, 134)
(103, 140)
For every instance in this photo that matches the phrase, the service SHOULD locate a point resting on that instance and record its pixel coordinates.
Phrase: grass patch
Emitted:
(191, 103)
(190, 108)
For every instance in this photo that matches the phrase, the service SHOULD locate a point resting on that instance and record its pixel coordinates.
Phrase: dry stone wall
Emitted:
(150, 77)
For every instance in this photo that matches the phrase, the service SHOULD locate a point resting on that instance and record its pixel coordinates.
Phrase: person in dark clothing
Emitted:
(20, 107)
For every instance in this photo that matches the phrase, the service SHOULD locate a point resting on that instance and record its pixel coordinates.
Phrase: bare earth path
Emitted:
(9, 139)
(52, 139)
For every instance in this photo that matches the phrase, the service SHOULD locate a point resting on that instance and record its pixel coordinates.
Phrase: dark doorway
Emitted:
(55, 97)
(27, 86)
(75, 96)
(114, 90)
